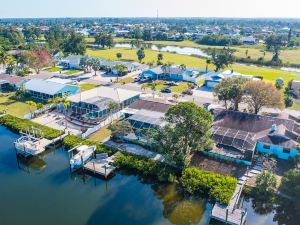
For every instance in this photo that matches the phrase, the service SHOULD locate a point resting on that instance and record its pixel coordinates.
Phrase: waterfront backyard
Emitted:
(44, 189)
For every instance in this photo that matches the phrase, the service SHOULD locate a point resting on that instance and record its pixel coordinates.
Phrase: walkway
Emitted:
(135, 149)
(230, 213)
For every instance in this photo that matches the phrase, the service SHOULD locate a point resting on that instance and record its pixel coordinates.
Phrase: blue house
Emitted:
(174, 73)
(213, 78)
(238, 135)
(47, 89)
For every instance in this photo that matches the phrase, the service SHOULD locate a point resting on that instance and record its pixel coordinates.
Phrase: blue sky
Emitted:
(148, 8)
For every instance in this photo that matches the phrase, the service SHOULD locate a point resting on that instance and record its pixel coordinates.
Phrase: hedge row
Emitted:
(218, 187)
(73, 141)
(146, 167)
(16, 125)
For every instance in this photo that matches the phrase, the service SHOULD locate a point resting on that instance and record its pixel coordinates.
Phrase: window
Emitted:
(267, 146)
(286, 150)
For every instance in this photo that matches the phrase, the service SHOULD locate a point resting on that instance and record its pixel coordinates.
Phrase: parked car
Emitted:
(166, 90)
(136, 79)
(172, 83)
(144, 79)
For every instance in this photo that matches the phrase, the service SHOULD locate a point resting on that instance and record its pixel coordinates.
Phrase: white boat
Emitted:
(84, 153)
(29, 145)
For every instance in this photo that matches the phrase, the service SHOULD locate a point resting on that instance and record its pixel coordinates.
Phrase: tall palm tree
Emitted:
(112, 107)
(208, 61)
(153, 87)
(4, 58)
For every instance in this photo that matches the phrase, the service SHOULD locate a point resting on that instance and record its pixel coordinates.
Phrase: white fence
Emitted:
(102, 124)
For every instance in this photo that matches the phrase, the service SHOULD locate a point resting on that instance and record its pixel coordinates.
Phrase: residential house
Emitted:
(4, 85)
(109, 66)
(213, 78)
(238, 135)
(144, 114)
(13, 80)
(92, 106)
(174, 73)
(47, 89)
(71, 62)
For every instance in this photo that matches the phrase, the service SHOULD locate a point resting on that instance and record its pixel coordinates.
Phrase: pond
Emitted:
(173, 49)
(43, 191)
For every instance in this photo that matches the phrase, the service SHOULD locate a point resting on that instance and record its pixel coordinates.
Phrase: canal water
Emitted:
(42, 191)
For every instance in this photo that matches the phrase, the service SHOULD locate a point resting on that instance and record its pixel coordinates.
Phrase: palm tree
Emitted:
(31, 105)
(176, 97)
(208, 62)
(112, 107)
(4, 57)
(96, 65)
(143, 87)
(56, 101)
(153, 87)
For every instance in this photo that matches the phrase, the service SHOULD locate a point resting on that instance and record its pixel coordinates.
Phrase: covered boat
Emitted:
(84, 153)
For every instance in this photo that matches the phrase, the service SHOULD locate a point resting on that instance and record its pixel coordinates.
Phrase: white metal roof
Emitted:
(44, 86)
(116, 94)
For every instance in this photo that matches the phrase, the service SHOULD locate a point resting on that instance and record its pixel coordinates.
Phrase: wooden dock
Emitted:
(100, 167)
(230, 214)
(40, 146)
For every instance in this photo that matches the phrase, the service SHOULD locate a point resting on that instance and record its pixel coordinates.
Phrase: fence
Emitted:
(102, 124)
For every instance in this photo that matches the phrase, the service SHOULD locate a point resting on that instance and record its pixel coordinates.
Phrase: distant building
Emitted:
(296, 88)
(47, 89)
(250, 40)
(92, 106)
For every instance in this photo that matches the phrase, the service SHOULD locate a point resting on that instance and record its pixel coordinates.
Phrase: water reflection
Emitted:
(178, 209)
(273, 211)
(30, 163)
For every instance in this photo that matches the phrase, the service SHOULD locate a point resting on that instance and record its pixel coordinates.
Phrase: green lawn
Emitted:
(289, 55)
(126, 80)
(160, 85)
(14, 107)
(86, 86)
(71, 72)
(53, 69)
(101, 135)
(151, 57)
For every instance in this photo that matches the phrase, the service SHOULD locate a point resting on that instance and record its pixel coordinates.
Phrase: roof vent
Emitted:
(274, 128)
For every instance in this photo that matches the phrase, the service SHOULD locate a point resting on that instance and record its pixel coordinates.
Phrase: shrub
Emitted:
(73, 141)
(146, 167)
(218, 187)
(16, 125)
